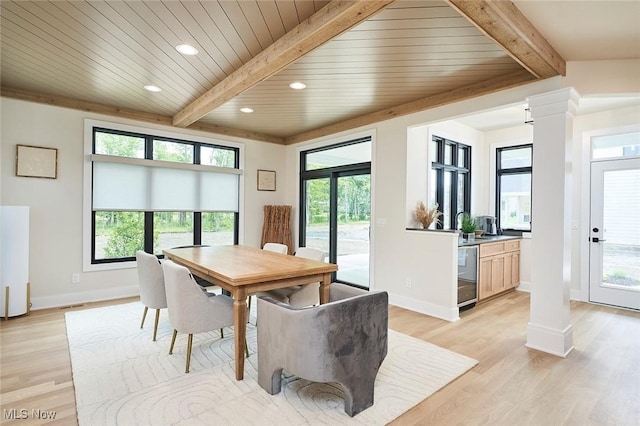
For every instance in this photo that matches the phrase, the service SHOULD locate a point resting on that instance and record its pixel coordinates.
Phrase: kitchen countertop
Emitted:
(489, 239)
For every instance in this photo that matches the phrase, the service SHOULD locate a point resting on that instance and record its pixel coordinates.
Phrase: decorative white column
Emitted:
(14, 261)
(549, 327)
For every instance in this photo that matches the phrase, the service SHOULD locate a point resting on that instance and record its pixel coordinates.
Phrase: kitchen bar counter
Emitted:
(478, 240)
(489, 239)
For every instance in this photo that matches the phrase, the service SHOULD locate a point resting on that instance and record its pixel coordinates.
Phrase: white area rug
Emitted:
(121, 377)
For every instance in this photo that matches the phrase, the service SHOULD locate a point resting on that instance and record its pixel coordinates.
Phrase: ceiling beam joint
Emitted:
(329, 22)
(506, 25)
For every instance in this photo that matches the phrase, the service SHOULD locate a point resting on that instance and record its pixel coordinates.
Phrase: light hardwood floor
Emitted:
(597, 384)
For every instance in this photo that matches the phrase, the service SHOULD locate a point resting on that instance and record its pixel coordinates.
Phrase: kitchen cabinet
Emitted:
(499, 268)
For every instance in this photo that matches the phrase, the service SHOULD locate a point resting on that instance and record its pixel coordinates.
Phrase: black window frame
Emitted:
(458, 172)
(148, 215)
(512, 172)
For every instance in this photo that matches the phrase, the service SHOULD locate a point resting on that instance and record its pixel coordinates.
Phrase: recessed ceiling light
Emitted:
(185, 49)
(247, 110)
(297, 85)
(152, 88)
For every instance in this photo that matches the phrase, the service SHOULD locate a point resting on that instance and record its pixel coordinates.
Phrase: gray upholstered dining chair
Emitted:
(300, 295)
(151, 282)
(343, 341)
(191, 310)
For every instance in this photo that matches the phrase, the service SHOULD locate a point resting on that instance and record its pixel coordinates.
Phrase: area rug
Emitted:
(122, 377)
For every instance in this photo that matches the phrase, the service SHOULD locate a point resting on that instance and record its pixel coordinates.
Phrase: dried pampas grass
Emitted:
(427, 216)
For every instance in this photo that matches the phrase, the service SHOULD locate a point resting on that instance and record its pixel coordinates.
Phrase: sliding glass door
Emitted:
(352, 228)
(335, 211)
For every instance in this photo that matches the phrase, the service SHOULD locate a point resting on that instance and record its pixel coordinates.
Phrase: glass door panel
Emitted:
(446, 219)
(317, 214)
(353, 222)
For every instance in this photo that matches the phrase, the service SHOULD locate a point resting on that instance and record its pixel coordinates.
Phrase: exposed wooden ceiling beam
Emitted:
(64, 102)
(506, 25)
(485, 87)
(330, 21)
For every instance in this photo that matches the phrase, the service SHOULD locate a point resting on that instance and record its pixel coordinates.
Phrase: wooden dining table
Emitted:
(243, 270)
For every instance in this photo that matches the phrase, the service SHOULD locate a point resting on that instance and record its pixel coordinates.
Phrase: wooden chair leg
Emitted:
(155, 326)
(173, 341)
(189, 345)
(144, 315)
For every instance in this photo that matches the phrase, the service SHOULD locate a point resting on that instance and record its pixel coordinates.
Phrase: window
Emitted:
(616, 146)
(150, 192)
(451, 179)
(513, 187)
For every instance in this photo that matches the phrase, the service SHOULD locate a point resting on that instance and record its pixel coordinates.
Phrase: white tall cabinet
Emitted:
(14, 256)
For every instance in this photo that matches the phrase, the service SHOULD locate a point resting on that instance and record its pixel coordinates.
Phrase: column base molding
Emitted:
(549, 340)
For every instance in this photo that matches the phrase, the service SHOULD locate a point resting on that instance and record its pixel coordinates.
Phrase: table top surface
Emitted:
(238, 264)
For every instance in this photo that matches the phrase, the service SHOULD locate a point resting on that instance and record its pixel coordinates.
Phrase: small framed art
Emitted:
(266, 180)
(36, 161)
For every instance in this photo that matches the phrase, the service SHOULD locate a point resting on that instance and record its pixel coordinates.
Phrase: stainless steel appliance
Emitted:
(487, 224)
(467, 276)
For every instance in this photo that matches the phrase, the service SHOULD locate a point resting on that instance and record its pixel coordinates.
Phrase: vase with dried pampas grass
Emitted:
(427, 216)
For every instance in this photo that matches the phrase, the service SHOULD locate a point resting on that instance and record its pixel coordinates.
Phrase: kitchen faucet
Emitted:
(455, 225)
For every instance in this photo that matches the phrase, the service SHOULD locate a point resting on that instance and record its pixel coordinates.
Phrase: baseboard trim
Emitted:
(524, 286)
(68, 299)
(573, 295)
(553, 341)
(425, 308)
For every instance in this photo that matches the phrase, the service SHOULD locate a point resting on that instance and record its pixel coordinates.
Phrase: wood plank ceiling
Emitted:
(361, 61)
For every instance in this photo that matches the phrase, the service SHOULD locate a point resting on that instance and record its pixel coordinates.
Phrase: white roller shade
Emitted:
(146, 185)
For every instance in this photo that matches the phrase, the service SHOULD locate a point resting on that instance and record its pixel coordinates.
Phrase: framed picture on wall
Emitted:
(266, 180)
(36, 161)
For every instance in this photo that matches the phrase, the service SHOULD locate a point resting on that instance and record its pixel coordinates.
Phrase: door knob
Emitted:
(595, 230)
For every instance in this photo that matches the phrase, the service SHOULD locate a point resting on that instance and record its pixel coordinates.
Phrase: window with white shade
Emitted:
(152, 193)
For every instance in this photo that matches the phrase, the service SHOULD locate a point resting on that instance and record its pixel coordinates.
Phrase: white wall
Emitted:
(56, 204)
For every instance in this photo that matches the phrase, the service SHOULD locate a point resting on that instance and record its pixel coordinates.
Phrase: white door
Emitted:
(615, 233)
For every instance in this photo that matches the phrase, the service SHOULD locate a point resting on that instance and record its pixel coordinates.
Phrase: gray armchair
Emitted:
(343, 341)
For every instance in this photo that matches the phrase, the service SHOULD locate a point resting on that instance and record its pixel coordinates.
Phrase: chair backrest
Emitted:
(151, 281)
(276, 247)
(350, 331)
(308, 294)
(187, 304)
(311, 253)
